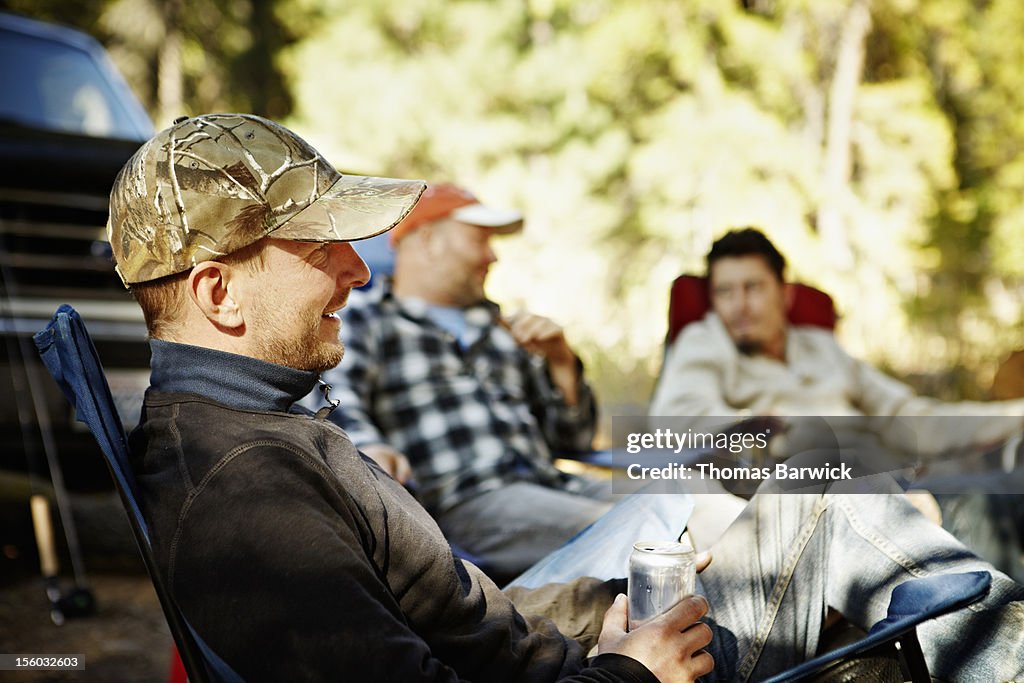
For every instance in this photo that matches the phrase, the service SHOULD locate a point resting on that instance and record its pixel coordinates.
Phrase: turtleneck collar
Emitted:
(237, 381)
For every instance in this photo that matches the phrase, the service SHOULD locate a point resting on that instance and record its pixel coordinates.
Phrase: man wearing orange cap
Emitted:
(436, 375)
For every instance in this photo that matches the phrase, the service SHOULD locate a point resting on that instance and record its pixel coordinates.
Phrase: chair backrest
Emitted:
(69, 355)
(689, 302)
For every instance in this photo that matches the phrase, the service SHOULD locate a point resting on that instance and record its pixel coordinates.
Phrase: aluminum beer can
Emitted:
(661, 573)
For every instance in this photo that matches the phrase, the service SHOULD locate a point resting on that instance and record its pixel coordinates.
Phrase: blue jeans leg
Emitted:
(790, 556)
(602, 549)
(514, 527)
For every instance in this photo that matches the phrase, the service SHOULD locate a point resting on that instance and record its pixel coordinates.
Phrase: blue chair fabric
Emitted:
(912, 603)
(70, 357)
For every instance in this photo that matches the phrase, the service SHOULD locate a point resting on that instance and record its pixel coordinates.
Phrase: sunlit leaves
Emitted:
(633, 133)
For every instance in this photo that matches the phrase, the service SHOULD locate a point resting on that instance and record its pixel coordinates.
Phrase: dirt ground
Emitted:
(126, 640)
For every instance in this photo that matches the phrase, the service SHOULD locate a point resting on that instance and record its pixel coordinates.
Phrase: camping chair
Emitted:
(70, 356)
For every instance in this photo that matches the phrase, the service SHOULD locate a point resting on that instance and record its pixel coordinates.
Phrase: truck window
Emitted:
(58, 87)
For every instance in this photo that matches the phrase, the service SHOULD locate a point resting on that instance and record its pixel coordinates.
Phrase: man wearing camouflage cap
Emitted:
(293, 557)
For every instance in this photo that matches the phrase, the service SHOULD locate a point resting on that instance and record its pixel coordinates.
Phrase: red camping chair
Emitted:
(690, 302)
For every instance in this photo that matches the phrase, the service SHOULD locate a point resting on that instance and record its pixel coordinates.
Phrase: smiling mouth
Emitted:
(335, 307)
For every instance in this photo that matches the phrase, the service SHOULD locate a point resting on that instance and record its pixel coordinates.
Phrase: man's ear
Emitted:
(211, 290)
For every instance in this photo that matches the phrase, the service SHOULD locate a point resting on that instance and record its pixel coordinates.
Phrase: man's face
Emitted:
(291, 303)
(751, 302)
(463, 257)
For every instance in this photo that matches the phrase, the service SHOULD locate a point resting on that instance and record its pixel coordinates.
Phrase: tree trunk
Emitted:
(837, 169)
(170, 76)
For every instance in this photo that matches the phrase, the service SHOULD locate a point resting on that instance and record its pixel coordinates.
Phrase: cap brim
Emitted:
(499, 220)
(356, 207)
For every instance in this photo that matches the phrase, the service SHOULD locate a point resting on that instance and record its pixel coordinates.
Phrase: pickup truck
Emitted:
(68, 122)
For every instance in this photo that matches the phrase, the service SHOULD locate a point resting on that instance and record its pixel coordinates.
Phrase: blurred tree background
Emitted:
(877, 141)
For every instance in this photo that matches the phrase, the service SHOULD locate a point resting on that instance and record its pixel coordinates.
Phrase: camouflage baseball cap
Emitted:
(210, 185)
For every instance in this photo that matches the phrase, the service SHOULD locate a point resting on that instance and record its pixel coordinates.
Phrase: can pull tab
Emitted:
(325, 389)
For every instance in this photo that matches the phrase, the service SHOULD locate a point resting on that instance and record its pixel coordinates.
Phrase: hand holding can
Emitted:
(661, 573)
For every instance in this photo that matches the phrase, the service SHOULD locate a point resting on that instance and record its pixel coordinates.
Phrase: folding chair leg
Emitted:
(915, 668)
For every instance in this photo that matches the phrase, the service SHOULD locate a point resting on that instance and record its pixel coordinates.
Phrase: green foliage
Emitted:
(634, 133)
(228, 51)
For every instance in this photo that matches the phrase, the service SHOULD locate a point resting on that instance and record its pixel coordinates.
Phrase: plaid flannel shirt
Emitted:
(469, 420)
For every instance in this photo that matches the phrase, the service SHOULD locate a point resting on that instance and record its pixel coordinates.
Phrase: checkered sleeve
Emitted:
(565, 427)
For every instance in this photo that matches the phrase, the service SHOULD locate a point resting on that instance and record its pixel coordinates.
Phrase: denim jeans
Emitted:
(515, 526)
(519, 525)
(789, 557)
(602, 549)
(986, 511)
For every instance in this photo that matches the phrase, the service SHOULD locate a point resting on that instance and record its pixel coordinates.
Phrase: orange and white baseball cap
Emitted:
(445, 200)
